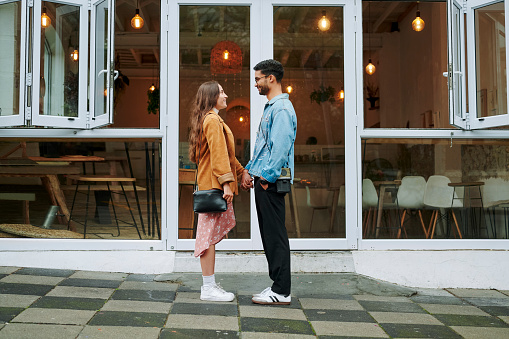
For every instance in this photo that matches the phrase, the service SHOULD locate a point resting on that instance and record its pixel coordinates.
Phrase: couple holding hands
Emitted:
(212, 141)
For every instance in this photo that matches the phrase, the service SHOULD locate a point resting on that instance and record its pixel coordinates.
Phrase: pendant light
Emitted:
(289, 89)
(152, 88)
(324, 23)
(75, 53)
(137, 21)
(45, 19)
(341, 95)
(418, 23)
(370, 68)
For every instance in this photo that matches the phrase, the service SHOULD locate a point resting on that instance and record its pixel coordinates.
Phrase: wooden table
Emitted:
(381, 195)
(49, 177)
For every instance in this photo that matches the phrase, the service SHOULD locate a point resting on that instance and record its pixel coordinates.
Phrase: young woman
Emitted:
(212, 147)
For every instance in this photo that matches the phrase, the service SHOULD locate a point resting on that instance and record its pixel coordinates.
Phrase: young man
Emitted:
(273, 151)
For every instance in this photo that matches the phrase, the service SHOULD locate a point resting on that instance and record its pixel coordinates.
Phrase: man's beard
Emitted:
(263, 90)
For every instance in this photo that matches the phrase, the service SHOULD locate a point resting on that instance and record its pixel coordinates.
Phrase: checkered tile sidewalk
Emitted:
(43, 303)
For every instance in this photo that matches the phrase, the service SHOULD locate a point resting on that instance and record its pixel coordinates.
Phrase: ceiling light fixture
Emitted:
(324, 23)
(418, 23)
(137, 21)
(370, 68)
(45, 19)
(289, 89)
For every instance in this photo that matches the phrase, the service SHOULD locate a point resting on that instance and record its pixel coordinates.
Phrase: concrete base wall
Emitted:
(432, 269)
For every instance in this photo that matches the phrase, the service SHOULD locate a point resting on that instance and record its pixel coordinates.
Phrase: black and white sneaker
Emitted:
(272, 298)
(262, 293)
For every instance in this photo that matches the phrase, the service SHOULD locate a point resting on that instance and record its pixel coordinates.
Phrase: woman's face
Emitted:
(221, 101)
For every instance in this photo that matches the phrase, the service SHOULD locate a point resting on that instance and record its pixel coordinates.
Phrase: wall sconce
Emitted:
(45, 19)
(324, 23)
(289, 89)
(137, 21)
(75, 55)
(418, 23)
(152, 88)
(370, 68)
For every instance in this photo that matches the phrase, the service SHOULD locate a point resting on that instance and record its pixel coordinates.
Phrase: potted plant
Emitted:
(323, 94)
(372, 92)
(153, 101)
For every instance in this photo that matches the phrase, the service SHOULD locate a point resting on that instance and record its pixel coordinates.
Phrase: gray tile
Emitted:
(49, 272)
(348, 329)
(137, 306)
(488, 301)
(339, 315)
(81, 292)
(226, 310)
(69, 303)
(91, 283)
(419, 331)
(39, 331)
(24, 289)
(136, 319)
(210, 322)
(99, 275)
(275, 325)
(474, 293)
(381, 298)
(144, 295)
(504, 319)
(8, 269)
(470, 320)
(453, 309)
(119, 332)
(431, 292)
(271, 312)
(53, 316)
(194, 297)
(260, 335)
(384, 306)
(427, 299)
(330, 304)
(31, 279)
(182, 333)
(246, 300)
(8, 313)
(148, 285)
(405, 318)
(17, 300)
(469, 332)
(141, 277)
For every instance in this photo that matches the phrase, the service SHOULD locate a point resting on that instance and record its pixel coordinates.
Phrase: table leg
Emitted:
(334, 208)
(47, 186)
(380, 207)
(293, 204)
(60, 199)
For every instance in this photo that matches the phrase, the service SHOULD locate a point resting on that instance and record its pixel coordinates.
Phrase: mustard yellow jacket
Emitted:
(217, 161)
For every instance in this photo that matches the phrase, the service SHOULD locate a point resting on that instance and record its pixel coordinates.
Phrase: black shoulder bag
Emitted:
(207, 201)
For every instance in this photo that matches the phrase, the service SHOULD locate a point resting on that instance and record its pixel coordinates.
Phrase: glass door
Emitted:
(12, 62)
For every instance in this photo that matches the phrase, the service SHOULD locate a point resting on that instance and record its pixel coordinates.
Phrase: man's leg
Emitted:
(270, 207)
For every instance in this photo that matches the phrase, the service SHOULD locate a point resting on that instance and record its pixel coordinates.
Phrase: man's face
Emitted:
(262, 83)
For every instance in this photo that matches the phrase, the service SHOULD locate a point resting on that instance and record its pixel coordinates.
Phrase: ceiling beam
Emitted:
(304, 57)
(136, 56)
(385, 14)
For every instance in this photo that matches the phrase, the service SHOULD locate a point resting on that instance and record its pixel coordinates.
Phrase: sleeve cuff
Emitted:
(268, 177)
(226, 178)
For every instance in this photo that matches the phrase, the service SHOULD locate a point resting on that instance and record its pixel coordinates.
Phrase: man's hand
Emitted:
(264, 186)
(247, 181)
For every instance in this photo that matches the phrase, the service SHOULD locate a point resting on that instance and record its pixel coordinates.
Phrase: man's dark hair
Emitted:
(271, 66)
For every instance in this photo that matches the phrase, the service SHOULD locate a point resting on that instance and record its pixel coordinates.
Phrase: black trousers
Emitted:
(270, 207)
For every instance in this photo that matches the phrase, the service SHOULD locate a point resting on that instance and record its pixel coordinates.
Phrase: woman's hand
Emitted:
(228, 193)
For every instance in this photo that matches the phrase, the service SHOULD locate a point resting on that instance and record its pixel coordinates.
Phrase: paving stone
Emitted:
(138, 306)
(210, 322)
(271, 312)
(81, 292)
(488, 301)
(54, 316)
(8, 269)
(39, 331)
(419, 331)
(330, 304)
(470, 332)
(3, 276)
(31, 279)
(8, 313)
(119, 332)
(431, 292)
(430, 299)
(339, 315)
(49, 272)
(15, 300)
(370, 297)
(99, 275)
(475, 293)
(246, 300)
(322, 296)
(204, 308)
(69, 303)
(137, 319)
(144, 295)
(180, 333)
(348, 329)
(504, 319)
(380, 306)
(405, 318)
(91, 283)
(25, 289)
(453, 309)
(141, 277)
(469, 320)
(275, 325)
(148, 285)
(260, 335)
(496, 310)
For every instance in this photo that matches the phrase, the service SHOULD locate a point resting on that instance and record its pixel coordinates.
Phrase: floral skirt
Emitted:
(211, 229)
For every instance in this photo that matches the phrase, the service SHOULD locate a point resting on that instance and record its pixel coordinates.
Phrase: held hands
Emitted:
(228, 193)
(246, 182)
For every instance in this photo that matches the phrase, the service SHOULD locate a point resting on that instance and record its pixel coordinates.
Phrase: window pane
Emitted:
(10, 39)
(101, 58)
(59, 65)
(490, 60)
(206, 32)
(314, 77)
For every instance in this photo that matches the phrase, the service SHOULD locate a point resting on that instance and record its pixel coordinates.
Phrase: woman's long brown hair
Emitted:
(205, 100)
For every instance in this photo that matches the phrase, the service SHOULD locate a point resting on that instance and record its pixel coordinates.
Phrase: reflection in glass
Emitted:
(59, 73)
(101, 59)
(314, 69)
(214, 45)
(490, 60)
(10, 39)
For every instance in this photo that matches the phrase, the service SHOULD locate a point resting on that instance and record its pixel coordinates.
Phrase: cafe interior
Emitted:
(411, 186)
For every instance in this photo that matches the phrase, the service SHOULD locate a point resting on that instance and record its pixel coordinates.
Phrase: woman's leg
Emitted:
(208, 260)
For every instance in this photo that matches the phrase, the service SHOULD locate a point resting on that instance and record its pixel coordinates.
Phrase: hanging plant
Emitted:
(323, 94)
(153, 101)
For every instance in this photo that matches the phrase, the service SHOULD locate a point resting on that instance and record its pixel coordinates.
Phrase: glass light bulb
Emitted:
(226, 54)
(152, 88)
(75, 55)
(241, 119)
(45, 19)
(137, 21)
(370, 68)
(418, 23)
(324, 24)
(105, 92)
(341, 95)
(289, 89)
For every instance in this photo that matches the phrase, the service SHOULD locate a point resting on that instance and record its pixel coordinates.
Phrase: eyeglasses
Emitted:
(258, 79)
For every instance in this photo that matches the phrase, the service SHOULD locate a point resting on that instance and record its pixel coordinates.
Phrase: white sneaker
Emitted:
(272, 298)
(262, 293)
(215, 293)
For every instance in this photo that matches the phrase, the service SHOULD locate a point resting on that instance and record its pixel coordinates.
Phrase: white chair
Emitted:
(411, 198)
(369, 203)
(495, 195)
(439, 196)
(318, 199)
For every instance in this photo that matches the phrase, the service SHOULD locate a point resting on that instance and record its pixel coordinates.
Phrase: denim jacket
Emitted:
(274, 140)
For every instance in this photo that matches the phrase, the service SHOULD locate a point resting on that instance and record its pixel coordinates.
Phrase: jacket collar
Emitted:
(278, 97)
